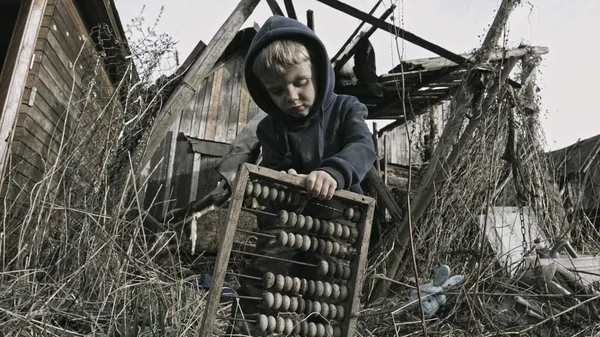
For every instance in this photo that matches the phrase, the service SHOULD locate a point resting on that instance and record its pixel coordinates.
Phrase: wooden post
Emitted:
(197, 72)
(385, 160)
(376, 143)
(441, 162)
(310, 19)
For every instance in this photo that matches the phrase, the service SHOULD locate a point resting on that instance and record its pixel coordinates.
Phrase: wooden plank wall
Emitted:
(54, 109)
(218, 112)
(397, 143)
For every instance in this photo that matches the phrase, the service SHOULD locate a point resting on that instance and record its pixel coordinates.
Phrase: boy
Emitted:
(310, 131)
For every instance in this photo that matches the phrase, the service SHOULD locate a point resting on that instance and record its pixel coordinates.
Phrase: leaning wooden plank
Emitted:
(289, 8)
(408, 36)
(275, 9)
(351, 38)
(197, 72)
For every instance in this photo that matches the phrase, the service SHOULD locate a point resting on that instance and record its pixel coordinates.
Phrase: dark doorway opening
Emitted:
(9, 11)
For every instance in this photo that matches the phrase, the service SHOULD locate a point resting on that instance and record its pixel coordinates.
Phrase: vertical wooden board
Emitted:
(201, 110)
(195, 176)
(235, 107)
(208, 176)
(154, 193)
(213, 107)
(168, 198)
(181, 182)
(244, 106)
(224, 107)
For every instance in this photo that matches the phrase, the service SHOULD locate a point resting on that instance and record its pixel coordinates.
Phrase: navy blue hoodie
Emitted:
(333, 137)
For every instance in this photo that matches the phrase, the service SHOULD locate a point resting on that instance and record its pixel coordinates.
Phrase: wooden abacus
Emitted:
(337, 301)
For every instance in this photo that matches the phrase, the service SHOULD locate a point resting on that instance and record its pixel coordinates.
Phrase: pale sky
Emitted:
(567, 27)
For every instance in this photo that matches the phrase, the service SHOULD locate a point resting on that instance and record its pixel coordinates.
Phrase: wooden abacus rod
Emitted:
(275, 258)
(254, 233)
(246, 276)
(256, 211)
(243, 297)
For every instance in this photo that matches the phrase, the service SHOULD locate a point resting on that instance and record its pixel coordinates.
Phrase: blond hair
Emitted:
(277, 57)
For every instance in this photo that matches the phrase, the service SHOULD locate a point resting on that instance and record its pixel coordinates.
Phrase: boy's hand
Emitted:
(319, 184)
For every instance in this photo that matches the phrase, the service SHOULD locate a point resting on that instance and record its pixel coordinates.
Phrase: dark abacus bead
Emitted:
(339, 271)
(301, 306)
(308, 225)
(343, 292)
(264, 194)
(311, 288)
(332, 269)
(304, 328)
(256, 190)
(303, 286)
(321, 246)
(296, 199)
(324, 227)
(283, 217)
(300, 221)
(297, 329)
(354, 233)
(268, 280)
(314, 244)
(249, 188)
(273, 194)
(357, 216)
(289, 197)
(343, 252)
(337, 331)
(347, 273)
(309, 306)
(349, 213)
(316, 226)
(341, 313)
(292, 218)
(281, 196)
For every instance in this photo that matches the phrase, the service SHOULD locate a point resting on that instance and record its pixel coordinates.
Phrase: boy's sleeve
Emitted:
(357, 156)
(273, 153)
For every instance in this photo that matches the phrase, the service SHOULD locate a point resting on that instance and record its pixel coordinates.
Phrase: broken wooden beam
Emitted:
(310, 19)
(384, 195)
(351, 48)
(351, 37)
(275, 9)
(194, 76)
(393, 29)
(289, 8)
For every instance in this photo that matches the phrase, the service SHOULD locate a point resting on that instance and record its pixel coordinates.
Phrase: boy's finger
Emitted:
(310, 182)
(331, 191)
(316, 190)
(292, 171)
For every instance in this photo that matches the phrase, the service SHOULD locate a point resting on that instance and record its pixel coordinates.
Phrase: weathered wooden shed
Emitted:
(56, 90)
(200, 130)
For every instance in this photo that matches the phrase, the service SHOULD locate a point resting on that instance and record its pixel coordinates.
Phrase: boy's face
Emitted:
(294, 92)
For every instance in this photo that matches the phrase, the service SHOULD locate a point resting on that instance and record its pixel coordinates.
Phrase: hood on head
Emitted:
(282, 28)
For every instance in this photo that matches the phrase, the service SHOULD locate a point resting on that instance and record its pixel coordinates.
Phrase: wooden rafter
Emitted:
(351, 37)
(289, 8)
(406, 35)
(275, 9)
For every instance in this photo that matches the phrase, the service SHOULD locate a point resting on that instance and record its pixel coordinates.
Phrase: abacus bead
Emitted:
(282, 238)
(288, 282)
(345, 232)
(357, 216)
(306, 243)
(281, 196)
(354, 233)
(324, 227)
(343, 292)
(256, 190)
(268, 280)
(289, 197)
(322, 246)
(332, 269)
(349, 213)
(282, 217)
(297, 329)
(335, 291)
(314, 244)
(320, 330)
(304, 328)
(296, 283)
(339, 271)
(296, 200)
(326, 290)
(268, 299)
(308, 222)
(309, 307)
(285, 303)
(324, 309)
(312, 330)
(337, 331)
(347, 273)
(303, 286)
(341, 312)
(299, 241)
(264, 193)
(272, 324)
(249, 188)
(332, 311)
(291, 240)
(280, 325)
(289, 326)
(293, 217)
(336, 249)
(343, 253)
(278, 301)
(319, 288)
(301, 305)
(316, 225)
(311, 288)
(328, 248)
(273, 194)
(330, 229)
(338, 230)
(279, 282)
(300, 221)
(293, 304)
(328, 330)
(323, 268)
(316, 307)
(262, 322)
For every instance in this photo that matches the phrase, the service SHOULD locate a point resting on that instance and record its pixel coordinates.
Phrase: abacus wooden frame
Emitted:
(357, 265)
